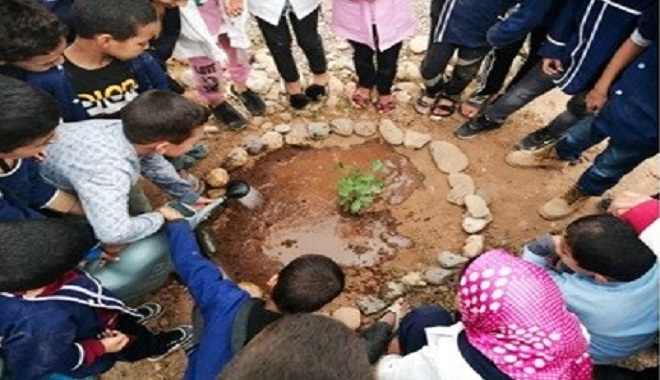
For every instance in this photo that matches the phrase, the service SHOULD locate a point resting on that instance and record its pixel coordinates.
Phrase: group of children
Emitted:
(87, 107)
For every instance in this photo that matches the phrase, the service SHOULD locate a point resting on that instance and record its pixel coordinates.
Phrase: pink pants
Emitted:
(210, 75)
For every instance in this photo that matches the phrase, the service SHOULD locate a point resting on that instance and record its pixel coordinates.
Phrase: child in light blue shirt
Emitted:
(609, 279)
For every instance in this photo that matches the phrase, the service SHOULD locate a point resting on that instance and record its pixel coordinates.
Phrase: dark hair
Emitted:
(27, 30)
(26, 114)
(118, 18)
(607, 245)
(307, 283)
(161, 115)
(35, 253)
(302, 346)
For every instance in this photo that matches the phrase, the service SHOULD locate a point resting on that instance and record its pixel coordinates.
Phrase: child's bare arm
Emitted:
(65, 203)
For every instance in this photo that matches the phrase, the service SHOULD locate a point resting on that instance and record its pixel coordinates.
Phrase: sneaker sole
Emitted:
(159, 311)
(179, 346)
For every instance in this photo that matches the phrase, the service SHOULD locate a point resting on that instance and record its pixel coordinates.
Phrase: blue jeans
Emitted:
(609, 166)
(412, 336)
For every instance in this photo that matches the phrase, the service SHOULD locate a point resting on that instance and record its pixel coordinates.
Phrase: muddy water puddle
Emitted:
(300, 215)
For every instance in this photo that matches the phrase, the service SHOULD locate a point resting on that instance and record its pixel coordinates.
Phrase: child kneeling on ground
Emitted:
(513, 325)
(611, 284)
(56, 319)
(230, 318)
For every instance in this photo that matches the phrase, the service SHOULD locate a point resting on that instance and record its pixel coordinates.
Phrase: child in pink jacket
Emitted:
(374, 28)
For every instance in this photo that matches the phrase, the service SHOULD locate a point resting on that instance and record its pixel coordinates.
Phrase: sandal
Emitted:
(386, 108)
(359, 101)
(424, 103)
(316, 92)
(446, 110)
(478, 102)
(399, 308)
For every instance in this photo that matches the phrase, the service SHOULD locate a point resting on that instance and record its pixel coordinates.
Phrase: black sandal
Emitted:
(298, 101)
(316, 92)
(447, 109)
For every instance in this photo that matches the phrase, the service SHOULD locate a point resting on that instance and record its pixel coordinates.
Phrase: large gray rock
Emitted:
(415, 140)
(282, 129)
(392, 290)
(365, 128)
(450, 260)
(448, 157)
(273, 140)
(408, 71)
(461, 185)
(342, 127)
(419, 44)
(259, 81)
(390, 132)
(217, 177)
(475, 225)
(474, 246)
(476, 206)
(437, 275)
(318, 130)
(253, 145)
(236, 158)
(370, 304)
(413, 279)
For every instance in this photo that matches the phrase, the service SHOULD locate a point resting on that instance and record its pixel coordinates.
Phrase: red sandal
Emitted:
(359, 101)
(386, 108)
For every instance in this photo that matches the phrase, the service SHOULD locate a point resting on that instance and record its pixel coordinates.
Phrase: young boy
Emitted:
(31, 39)
(101, 160)
(302, 346)
(28, 117)
(106, 66)
(230, 318)
(629, 119)
(612, 285)
(56, 319)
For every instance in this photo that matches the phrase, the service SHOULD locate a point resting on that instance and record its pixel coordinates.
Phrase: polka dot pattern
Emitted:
(514, 314)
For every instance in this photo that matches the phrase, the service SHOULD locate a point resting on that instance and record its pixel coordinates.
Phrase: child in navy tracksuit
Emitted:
(579, 44)
(56, 319)
(472, 28)
(629, 119)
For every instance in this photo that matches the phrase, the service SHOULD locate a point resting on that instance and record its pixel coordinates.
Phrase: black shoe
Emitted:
(226, 113)
(173, 340)
(538, 139)
(148, 311)
(251, 100)
(316, 92)
(476, 126)
(298, 101)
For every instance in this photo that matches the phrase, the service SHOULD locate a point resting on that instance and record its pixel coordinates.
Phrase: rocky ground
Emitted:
(466, 198)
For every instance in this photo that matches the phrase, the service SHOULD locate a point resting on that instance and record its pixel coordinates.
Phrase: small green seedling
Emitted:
(357, 191)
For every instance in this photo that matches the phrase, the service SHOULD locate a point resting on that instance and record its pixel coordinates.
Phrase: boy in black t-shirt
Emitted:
(106, 66)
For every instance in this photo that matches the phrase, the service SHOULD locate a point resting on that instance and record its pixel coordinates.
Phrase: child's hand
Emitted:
(234, 8)
(596, 99)
(201, 202)
(110, 251)
(552, 66)
(170, 214)
(114, 341)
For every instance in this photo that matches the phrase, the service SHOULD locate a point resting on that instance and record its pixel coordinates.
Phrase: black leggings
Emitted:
(380, 73)
(278, 39)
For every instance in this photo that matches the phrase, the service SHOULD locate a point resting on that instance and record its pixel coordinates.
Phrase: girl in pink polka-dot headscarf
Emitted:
(513, 325)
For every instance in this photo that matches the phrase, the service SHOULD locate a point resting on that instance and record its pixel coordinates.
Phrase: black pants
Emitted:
(278, 39)
(498, 63)
(380, 73)
(144, 343)
(466, 68)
